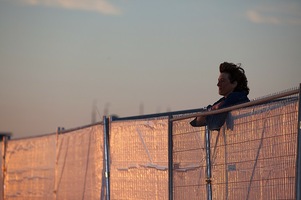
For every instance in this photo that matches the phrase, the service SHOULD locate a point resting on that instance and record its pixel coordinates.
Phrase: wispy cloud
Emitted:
(101, 6)
(285, 13)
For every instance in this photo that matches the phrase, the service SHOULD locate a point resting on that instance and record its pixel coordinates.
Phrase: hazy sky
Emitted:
(60, 59)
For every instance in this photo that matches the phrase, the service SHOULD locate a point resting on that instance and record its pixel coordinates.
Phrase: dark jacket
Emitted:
(215, 122)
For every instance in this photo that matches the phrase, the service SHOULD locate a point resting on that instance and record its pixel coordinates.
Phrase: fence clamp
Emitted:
(208, 181)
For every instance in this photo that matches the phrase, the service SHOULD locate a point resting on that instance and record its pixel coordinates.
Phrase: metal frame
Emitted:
(170, 158)
(4, 137)
(106, 132)
(208, 164)
(298, 160)
(157, 115)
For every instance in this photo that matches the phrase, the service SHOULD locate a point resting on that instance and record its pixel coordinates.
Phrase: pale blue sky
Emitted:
(58, 57)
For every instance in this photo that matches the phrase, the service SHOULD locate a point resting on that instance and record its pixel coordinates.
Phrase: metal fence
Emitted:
(256, 155)
(253, 156)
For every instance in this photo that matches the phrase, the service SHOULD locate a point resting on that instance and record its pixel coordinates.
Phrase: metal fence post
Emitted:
(107, 156)
(208, 164)
(56, 162)
(4, 137)
(4, 141)
(3, 166)
(170, 159)
(298, 161)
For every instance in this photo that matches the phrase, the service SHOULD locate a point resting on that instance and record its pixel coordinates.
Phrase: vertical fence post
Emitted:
(56, 162)
(3, 166)
(298, 161)
(107, 156)
(170, 159)
(4, 142)
(208, 164)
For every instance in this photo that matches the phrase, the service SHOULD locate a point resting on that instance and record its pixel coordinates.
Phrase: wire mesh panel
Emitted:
(189, 161)
(254, 154)
(139, 159)
(78, 170)
(63, 166)
(30, 168)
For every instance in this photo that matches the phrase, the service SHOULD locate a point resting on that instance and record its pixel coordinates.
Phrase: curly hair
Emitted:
(236, 73)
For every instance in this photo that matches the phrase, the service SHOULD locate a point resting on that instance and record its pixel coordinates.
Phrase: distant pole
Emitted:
(106, 109)
(94, 111)
(168, 109)
(141, 109)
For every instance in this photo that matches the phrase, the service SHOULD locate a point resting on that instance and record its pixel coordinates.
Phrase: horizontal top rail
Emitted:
(238, 106)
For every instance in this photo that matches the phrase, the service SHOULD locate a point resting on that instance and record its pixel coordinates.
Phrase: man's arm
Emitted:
(198, 121)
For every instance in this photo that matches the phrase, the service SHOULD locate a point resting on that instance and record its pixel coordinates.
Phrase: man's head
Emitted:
(232, 78)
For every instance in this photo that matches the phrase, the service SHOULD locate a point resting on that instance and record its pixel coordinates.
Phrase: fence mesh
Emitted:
(189, 161)
(80, 164)
(30, 165)
(64, 166)
(253, 157)
(139, 159)
(254, 154)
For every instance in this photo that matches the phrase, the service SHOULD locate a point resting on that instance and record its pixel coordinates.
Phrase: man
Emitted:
(233, 86)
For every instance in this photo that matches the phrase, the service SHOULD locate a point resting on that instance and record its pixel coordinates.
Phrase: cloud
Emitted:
(277, 14)
(256, 17)
(101, 6)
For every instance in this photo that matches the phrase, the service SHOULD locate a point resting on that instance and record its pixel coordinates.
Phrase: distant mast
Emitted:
(141, 109)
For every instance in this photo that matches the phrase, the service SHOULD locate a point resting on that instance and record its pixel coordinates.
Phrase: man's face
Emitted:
(225, 87)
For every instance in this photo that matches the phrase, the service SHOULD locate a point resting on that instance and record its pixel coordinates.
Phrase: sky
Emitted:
(63, 60)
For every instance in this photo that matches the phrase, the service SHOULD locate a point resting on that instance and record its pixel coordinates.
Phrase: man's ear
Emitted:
(235, 83)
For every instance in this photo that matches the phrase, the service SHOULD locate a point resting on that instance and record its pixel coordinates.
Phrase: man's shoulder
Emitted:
(236, 98)
(238, 95)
